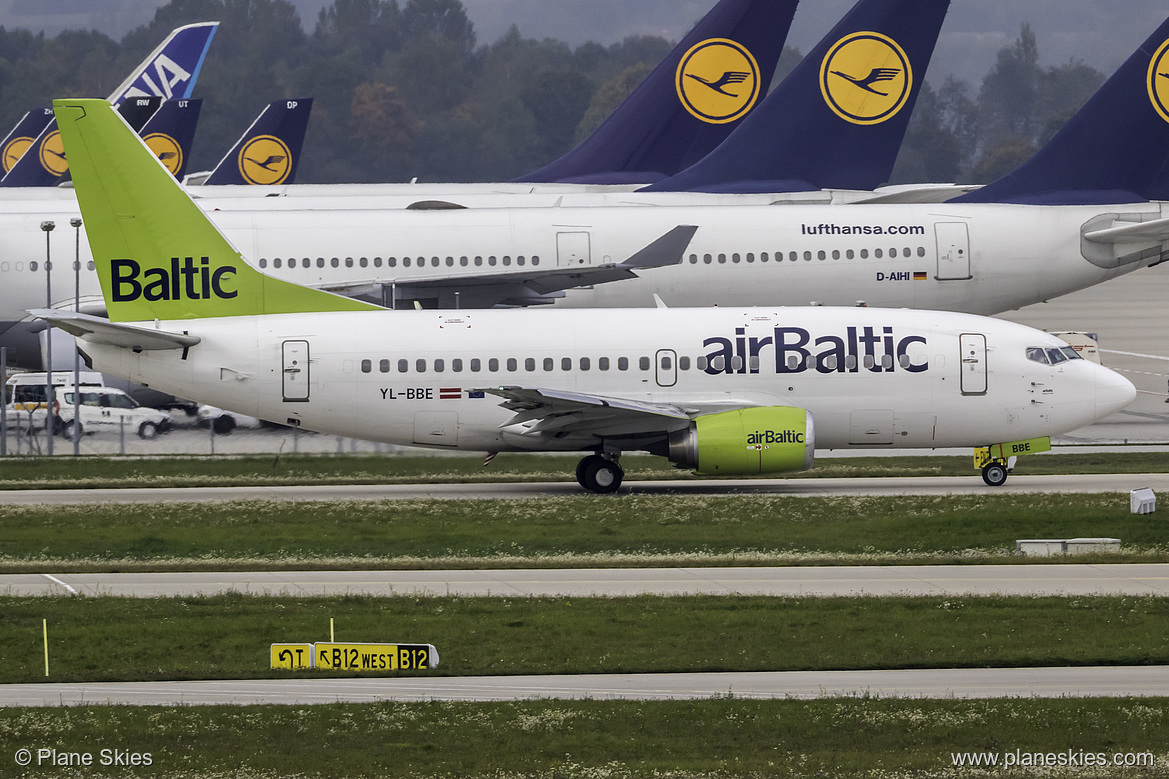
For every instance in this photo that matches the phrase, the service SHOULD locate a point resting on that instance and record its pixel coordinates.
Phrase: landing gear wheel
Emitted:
(583, 466)
(602, 476)
(994, 474)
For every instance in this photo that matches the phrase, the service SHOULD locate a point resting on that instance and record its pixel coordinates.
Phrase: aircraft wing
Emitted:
(534, 285)
(102, 331)
(556, 412)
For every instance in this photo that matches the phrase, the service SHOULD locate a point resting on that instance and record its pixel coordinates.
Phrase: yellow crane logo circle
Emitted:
(866, 78)
(718, 81)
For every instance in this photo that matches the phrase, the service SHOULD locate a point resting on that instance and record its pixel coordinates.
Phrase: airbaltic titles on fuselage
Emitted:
(859, 348)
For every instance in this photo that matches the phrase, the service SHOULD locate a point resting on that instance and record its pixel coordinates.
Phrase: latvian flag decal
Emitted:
(450, 393)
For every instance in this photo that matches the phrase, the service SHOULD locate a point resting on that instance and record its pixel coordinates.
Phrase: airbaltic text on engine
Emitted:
(828, 354)
(773, 437)
(185, 280)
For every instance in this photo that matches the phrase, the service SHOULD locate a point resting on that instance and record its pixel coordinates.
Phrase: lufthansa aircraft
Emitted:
(722, 391)
(170, 71)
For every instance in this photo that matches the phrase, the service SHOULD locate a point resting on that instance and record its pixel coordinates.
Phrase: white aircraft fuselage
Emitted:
(867, 377)
(976, 258)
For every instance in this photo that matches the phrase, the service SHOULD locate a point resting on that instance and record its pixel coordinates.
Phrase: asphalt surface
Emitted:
(939, 683)
(1138, 579)
(1017, 484)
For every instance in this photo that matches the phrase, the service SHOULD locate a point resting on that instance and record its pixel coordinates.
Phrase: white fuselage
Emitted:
(869, 377)
(974, 258)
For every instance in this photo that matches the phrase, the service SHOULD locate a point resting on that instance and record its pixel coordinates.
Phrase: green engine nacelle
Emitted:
(772, 439)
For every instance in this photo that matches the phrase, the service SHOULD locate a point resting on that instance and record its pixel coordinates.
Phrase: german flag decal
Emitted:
(919, 275)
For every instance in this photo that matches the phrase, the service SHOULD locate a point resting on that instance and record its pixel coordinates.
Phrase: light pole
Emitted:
(75, 223)
(48, 226)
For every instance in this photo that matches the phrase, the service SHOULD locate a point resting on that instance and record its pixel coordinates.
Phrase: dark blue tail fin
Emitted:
(688, 104)
(269, 151)
(1113, 150)
(138, 110)
(23, 136)
(837, 121)
(172, 69)
(171, 132)
(45, 164)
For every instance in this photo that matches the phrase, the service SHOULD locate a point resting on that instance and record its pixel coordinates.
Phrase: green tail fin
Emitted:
(157, 255)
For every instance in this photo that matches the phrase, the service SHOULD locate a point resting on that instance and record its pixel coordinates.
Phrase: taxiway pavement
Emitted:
(934, 683)
(1134, 579)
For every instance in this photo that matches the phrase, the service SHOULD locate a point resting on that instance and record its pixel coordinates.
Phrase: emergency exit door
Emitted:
(973, 347)
(666, 368)
(296, 372)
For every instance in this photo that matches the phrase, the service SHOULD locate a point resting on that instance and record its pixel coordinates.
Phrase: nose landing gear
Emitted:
(996, 462)
(597, 473)
(995, 473)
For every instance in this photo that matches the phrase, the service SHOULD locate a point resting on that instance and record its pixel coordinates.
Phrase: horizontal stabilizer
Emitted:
(94, 329)
(1155, 230)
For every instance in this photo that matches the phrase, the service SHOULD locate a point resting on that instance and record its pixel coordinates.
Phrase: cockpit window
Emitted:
(1038, 354)
(1052, 355)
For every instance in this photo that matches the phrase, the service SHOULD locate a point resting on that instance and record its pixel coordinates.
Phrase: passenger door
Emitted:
(973, 347)
(953, 240)
(572, 249)
(296, 372)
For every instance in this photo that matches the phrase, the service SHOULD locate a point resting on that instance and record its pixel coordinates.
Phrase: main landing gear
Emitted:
(599, 474)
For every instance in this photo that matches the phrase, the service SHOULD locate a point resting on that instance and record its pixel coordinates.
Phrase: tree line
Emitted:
(404, 90)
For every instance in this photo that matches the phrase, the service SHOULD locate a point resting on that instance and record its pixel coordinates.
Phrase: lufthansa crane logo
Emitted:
(14, 150)
(52, 154)
(167, 150)
(718, 81)
(266, 160)
(1158, 81)
(866, 78)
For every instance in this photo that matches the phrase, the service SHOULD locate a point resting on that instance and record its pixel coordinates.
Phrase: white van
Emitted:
(108, 409)
(24, 395)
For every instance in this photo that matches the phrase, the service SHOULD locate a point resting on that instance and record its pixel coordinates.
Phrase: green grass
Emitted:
(228, 637)
(562, 531)
(181, 471)
(721, 738)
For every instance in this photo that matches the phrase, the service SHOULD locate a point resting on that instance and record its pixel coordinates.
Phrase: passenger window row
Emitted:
(407, 262)
(513, 364)
(807, 256)
(34, 266)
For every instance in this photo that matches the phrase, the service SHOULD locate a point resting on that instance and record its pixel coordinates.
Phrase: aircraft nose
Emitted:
(1113, 392)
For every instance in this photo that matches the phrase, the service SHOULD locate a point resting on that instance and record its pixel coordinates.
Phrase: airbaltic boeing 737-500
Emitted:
(723, 391)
